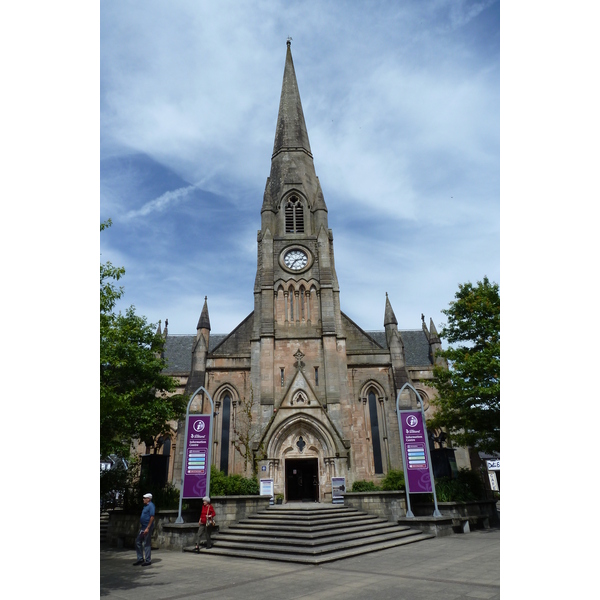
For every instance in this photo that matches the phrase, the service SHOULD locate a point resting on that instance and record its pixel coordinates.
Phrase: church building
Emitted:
(310, 394)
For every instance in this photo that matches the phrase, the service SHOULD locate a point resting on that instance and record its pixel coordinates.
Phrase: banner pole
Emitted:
(409, 512)
(436, 512)
(187, 414)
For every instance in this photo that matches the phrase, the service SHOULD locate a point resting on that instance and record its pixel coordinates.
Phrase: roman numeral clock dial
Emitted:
(295, 260)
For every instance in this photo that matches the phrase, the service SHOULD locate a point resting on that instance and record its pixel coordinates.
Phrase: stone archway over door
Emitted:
(302, 479)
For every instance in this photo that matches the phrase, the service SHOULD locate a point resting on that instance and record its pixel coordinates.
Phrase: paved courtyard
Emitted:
(453, 567)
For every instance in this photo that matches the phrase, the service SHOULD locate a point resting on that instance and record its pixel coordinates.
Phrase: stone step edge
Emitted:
(296, 520)
(311, 535)
(241, 539)
(308, 522)
(265, 514)
(303, 528)
(278, 556)
(318, 550)
(307, 512)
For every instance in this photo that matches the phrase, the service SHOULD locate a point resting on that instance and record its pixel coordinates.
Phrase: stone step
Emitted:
(275, 512)
(294, 522)
(310, 536)
(319, 547)
(314, 560)
(303, 533)
(104, 518)
(306, 528)
(334, 537)
(326, 518)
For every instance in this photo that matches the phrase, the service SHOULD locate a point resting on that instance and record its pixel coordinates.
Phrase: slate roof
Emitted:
(178, 348)
(416, 345)
(178, 353)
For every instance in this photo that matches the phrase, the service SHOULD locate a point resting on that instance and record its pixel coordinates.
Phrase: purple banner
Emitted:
(197, 456)
(414, 445)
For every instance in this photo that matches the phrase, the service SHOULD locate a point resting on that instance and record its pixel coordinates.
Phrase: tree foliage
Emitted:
(247, 432)
(135, 400)
(468, 403)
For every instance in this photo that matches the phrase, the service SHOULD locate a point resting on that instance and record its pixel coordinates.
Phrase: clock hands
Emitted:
(295, 260)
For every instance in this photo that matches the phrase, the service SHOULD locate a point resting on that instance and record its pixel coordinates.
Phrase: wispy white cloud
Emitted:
(166, 200)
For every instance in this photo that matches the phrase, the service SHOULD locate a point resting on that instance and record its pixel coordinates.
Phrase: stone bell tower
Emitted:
(296, 292)
(298, 364)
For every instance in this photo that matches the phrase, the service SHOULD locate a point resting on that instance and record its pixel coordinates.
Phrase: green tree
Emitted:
(468, 403)
(135, 396)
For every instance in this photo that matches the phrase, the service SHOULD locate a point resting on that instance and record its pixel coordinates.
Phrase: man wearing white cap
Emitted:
(143, 541)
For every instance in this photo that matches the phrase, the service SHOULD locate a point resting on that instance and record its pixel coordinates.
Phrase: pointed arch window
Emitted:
(375, 432)
(226, 418)
(294, 215)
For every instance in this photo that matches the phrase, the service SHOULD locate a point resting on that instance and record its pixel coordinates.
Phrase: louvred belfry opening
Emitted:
(294, 216)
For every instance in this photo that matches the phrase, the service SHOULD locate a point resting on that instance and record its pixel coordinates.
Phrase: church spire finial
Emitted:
(290, 133)
(289, 41)
(204, 321)
(389, 317)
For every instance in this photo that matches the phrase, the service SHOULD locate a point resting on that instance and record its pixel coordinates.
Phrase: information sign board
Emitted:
(338, 489)
(493, 481)
(197, 455)
(414, 445)
(266, 488)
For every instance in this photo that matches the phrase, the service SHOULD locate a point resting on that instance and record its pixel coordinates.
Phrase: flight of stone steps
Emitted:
(104, 517)
(310, 534)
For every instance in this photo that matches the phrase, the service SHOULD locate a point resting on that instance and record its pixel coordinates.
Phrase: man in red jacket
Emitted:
(206, 523)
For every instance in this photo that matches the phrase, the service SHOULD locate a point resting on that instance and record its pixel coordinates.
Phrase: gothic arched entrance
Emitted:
(303, 453)
(302, 479)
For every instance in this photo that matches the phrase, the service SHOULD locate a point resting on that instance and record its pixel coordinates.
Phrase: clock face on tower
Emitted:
(295, 259)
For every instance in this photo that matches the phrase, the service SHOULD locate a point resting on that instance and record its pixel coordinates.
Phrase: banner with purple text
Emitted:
(414, 440)
(196, 459)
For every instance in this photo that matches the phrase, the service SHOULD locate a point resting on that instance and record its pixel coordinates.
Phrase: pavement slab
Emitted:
(461, 567)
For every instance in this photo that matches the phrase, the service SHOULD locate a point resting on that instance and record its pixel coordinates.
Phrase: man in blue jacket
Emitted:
(143, 541)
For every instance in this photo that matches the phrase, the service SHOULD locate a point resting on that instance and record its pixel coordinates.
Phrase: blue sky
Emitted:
(402, 106)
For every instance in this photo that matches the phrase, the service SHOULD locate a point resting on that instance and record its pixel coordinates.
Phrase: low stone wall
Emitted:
(123, 527)
(387, 505)
(475, 511)
(392, 507)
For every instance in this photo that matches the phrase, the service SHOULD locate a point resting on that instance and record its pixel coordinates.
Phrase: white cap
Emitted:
(148, 496)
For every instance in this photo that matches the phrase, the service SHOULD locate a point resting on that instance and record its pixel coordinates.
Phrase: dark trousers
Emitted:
(143, 544)
(204, 531)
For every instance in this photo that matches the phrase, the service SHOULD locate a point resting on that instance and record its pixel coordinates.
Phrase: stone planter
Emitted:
(387, 505)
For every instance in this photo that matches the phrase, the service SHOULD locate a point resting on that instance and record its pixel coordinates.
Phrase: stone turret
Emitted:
(199, 351)
(203, 327)
(435, 344)
(395, 344)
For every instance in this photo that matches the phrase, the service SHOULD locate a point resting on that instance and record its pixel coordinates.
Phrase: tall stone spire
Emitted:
(292, 167)
(291, 131)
